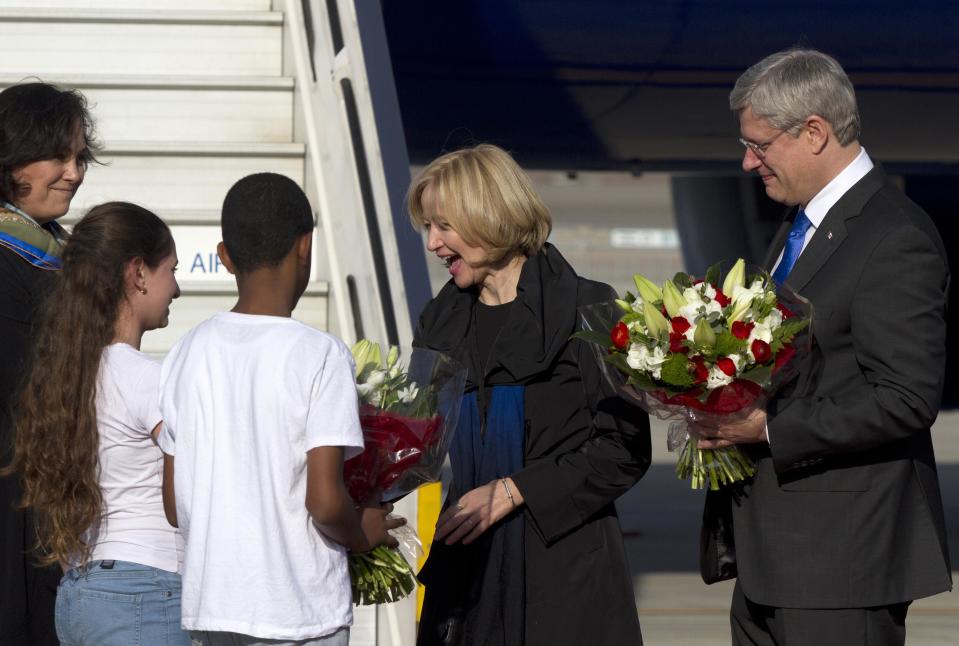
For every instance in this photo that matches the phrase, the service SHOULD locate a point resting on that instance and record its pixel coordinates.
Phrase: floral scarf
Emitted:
(40, 245)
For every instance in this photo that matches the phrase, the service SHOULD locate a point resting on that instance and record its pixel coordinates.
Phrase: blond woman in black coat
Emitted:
(528, 548)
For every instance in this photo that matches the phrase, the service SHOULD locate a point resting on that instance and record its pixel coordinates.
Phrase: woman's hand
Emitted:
(478, 510)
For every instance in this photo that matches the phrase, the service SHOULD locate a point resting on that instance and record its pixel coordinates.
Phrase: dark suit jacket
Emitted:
(845, 509)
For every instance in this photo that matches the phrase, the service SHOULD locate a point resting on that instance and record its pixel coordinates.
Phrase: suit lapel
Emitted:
(832, 231)
(828, 237)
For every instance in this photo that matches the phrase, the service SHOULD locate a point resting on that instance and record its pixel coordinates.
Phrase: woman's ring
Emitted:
(459, 507)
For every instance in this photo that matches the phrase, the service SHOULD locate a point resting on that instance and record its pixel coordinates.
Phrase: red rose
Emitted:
(785, 311)
(761, 351)
(700, 371)
(741, 330)
(680, 324)
(727, 366)
(676, 343)
(721, 298)
(619, 335)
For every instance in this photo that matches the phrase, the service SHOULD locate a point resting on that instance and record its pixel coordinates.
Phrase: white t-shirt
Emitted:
(243, 399)
(133, 527)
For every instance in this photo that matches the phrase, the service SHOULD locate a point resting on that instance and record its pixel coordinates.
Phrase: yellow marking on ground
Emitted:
(427, 511)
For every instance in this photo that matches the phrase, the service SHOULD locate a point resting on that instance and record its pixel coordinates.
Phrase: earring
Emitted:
(143, 290)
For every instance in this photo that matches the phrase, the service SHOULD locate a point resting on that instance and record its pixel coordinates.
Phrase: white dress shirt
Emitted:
(825, 199)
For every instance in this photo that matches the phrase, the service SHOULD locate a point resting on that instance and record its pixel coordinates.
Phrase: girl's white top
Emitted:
(133, 527)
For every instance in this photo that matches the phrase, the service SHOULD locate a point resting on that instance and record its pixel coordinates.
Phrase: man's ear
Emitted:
(817, 133)
(304, 248)
(225, 257)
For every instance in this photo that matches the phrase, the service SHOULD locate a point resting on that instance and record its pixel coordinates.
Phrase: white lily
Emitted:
(408, 393)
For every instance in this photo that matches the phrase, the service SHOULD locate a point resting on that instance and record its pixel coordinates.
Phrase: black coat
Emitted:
(584, 447)
(26, 593)
(845, 509)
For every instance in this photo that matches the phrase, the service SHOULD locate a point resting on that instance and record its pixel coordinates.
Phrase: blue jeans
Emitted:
(118, 603)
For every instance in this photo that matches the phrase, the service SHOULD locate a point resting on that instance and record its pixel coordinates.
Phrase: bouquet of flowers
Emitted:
(408, 415)
(692, 349)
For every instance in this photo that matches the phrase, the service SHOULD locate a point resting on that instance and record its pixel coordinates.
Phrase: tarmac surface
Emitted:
(661, 516)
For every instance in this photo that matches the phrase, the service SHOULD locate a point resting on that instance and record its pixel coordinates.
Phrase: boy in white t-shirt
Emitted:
(259, 413)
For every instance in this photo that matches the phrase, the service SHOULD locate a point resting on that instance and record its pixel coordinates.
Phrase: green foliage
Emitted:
(713, 274)
(642, 381)
(761, 375)
(727, 343)
(786, 332)
(682, 281)
(675, 371)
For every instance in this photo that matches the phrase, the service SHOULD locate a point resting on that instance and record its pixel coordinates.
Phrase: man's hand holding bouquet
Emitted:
(705, 353)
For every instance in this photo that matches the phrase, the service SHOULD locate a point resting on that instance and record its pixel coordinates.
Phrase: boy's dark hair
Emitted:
(263, 215)
(39, 121)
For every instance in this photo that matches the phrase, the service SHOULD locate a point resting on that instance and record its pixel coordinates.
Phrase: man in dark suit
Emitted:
(842, 526)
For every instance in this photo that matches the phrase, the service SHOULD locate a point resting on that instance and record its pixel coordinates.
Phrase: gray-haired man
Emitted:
(842, 527)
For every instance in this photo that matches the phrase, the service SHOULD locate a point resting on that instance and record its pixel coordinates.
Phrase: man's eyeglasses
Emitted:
(760, 149)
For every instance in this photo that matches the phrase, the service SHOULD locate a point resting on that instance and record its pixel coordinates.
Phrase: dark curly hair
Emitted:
(40, 121)
(263, 215)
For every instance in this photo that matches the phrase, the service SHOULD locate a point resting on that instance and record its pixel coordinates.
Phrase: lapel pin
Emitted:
(829, 236)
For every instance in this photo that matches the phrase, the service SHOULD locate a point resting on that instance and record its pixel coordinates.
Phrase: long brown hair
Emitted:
(57, 440)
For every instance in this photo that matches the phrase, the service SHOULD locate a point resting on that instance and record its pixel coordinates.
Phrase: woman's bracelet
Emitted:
(509, 493)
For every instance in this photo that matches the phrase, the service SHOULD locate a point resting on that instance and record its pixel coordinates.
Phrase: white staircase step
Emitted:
(182, 177)
(203, 149)
(204, 109)
(172, 217)
(160, 82)
(44, 42)
(152, 15)
(232, 5)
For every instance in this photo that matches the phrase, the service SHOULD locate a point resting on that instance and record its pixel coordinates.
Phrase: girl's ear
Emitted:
(134, 276)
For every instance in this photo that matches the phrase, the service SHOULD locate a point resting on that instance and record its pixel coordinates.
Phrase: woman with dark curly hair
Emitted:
(46, 143)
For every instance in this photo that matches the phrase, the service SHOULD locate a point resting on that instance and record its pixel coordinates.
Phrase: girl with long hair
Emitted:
(86, 423)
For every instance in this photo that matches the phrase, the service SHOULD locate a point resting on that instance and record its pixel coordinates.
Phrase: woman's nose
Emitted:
(71, 170)
(433, 241)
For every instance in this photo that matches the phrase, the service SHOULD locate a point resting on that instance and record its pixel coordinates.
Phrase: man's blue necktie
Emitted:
(797, 236)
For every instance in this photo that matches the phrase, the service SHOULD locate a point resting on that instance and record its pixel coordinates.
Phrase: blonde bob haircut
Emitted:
(485, 197)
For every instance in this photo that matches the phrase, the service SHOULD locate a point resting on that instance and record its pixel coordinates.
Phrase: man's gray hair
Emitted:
(788, 87)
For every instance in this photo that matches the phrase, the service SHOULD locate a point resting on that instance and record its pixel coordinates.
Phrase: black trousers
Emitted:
(754, 624)
(27, 592)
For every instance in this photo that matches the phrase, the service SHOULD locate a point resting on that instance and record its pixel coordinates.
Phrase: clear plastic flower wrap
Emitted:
(408, 412)
(693, 351)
